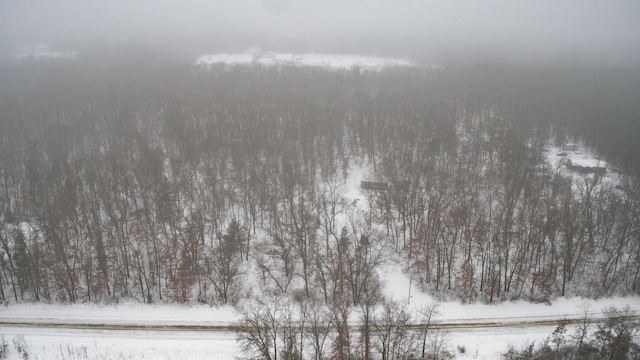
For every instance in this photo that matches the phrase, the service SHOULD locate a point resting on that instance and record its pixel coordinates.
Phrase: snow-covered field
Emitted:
(319, 60)
(46, 344)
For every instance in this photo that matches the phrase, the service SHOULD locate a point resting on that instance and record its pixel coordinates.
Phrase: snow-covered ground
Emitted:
(489, 344)
(582, 167)
(319, 60)
(73, 343)
(53, 344)
(558, 159)
(122, 314)
(397, 287)
(153, 344)
(195, 345)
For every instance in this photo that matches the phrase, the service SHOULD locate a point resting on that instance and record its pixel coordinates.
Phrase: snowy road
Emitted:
(459, 325)
(135, 331)
(480, 338)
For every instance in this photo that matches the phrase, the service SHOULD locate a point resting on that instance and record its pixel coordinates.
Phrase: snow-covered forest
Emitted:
(168, 183)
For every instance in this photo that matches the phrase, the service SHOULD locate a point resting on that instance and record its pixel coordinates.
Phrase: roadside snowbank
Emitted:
(121, 314)
(396, 286)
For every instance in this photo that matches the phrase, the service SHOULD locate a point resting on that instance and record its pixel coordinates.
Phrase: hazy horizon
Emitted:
(585, 32)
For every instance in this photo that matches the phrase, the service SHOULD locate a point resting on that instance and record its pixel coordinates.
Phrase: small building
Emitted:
(284, 59)
(374, 185)
(587, 166)
(570, 147)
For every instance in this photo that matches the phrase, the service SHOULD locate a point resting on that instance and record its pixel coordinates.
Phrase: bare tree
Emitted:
(319, 328)
(262, 325)
(223, 265)
(582, 330)
(615, 335)
(341, 345)
(393, 339)
(428, 316)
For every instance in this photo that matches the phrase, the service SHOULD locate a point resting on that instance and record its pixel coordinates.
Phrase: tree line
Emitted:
(170, 183)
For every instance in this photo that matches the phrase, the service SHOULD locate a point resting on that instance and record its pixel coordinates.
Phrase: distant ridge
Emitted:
(337, 61)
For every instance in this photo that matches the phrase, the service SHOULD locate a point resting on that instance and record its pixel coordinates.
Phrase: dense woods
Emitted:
(168, 183)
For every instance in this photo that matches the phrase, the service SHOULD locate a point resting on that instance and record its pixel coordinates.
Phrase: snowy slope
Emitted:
(397, 286)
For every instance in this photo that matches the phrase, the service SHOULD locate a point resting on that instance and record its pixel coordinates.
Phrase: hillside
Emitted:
(243, 185)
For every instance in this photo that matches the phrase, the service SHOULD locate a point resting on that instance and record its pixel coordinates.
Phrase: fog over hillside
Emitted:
(320, 179)
(577, 32)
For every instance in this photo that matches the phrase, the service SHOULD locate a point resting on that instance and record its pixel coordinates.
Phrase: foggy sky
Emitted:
(585, 31)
